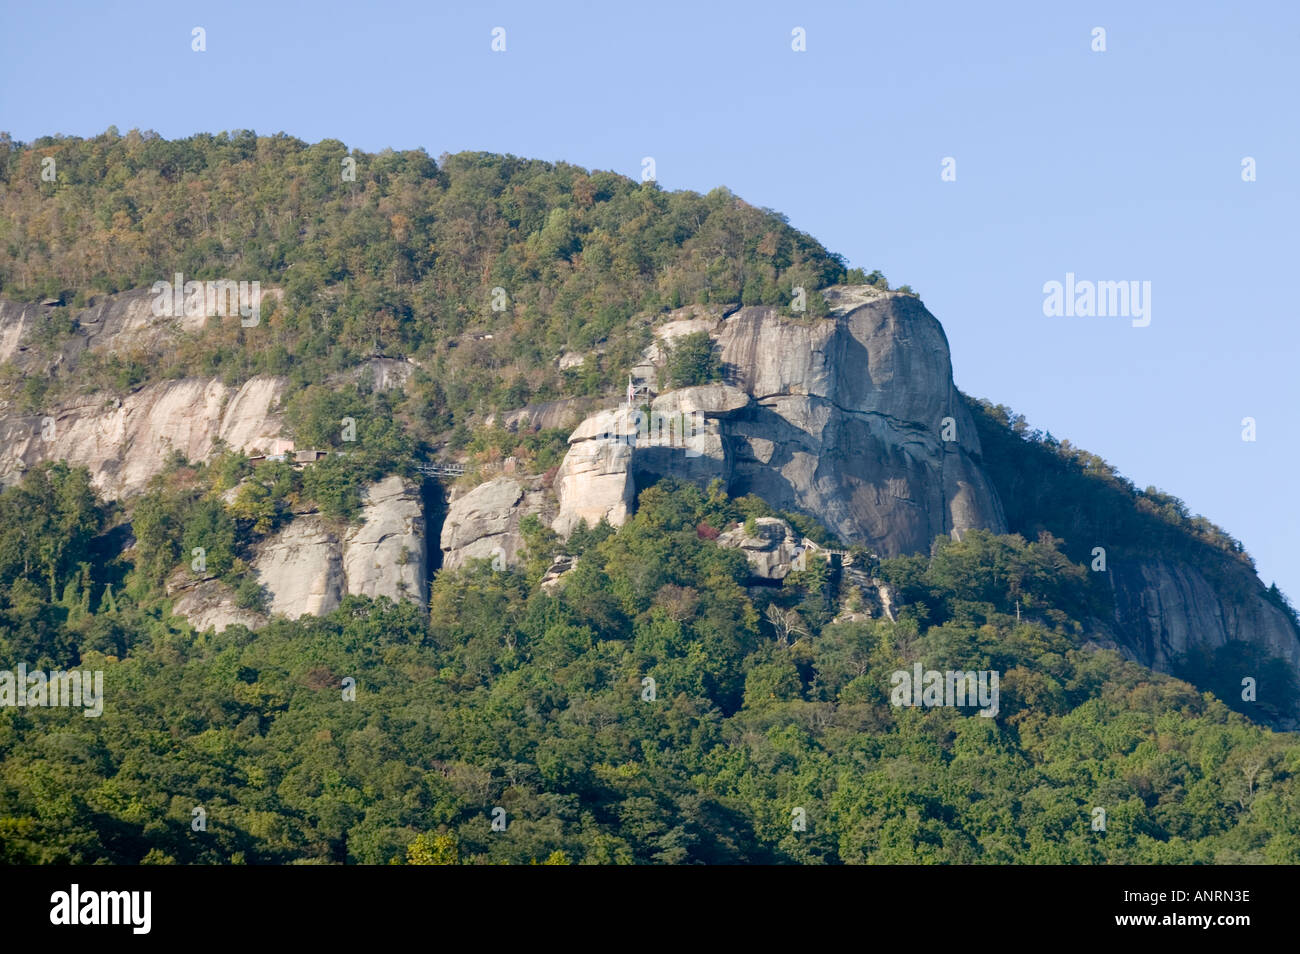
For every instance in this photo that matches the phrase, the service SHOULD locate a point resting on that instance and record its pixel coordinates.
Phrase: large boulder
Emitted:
(595, 480)
(852, 418)
(301, 569)
(209, 604)
(771, 550)
(483, 523)
(386, 554)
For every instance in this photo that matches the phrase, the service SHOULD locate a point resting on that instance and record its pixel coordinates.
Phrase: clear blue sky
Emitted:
(1115, 166)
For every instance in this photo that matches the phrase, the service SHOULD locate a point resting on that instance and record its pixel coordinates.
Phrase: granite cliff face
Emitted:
(852, 418)
(1169, 609)
(308, 567)
(123, 439)
(483, 523)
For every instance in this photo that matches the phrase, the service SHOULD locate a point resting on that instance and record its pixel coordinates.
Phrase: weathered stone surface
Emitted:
(619, 422)
(385, 374)
(687, 320)
(595, 482)
(849, 422)
(770, 551)
(117, 323)
(484, 522)
(125, 442)
(305, 569)
(843, 418)
(479, 521)
(386, 554)
(301, 569)
(555, 573)
(210, 604)
(713, 400)
(1166, 609)
(125, 439)
(548, 414)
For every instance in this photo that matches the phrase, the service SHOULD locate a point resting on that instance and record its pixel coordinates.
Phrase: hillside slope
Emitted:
(620, 509)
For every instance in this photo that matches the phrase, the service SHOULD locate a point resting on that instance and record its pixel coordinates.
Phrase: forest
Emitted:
(509, 704)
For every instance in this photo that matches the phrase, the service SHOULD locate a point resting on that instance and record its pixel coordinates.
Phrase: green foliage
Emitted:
(1052, 489)
(507, 696)
(401, 262)
(503, 694)
(1050, 485)
(692, 360)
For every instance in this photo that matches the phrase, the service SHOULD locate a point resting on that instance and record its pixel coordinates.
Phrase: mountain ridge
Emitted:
(545, 232)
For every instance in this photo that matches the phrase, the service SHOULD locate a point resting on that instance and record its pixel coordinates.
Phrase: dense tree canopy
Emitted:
(508, 697)
(404, 260)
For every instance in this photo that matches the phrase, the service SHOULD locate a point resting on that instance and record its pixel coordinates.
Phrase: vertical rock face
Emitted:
(125, 442)
(386, 554)
(484, 522)
(594, 482)
(301, 569)
(1167, 609)
(306, 569)
(852, 418)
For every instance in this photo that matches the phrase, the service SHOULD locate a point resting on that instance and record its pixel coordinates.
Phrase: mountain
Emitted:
(502, 440)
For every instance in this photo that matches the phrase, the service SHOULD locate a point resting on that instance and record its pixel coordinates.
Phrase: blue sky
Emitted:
(1115, 165)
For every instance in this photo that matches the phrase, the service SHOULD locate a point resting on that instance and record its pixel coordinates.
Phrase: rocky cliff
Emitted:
(308, 566)
(122, 439)
(483, 522)
(125, 439)
(852, 418)
(1169, 609)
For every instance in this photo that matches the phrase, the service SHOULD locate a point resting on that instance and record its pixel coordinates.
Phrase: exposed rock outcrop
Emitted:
(549, 414)
(771, 550)
(483, 523)
(594, 482)
(386, 554)
(1167, 609)
(209, 604)
(553, 579)
(125, 442)
(852, 418)
(301, 569)
(121, 323)
(306, 569)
